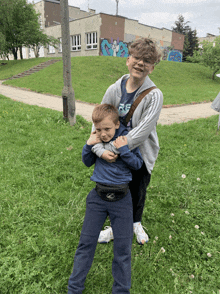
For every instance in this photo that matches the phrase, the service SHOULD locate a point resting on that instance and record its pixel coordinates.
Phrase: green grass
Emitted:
(14, 67)
(181, 83)
(43, 189)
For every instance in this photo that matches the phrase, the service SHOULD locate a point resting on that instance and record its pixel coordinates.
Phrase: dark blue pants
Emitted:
(138, 188)
(121, 217)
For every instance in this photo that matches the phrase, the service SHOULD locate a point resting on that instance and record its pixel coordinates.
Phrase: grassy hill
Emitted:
(181, 83)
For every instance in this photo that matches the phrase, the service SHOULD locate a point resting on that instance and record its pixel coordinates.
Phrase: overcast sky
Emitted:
(203, 15)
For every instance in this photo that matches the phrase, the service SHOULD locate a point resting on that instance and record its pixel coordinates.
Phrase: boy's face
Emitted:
(106, 128)
(138, 68)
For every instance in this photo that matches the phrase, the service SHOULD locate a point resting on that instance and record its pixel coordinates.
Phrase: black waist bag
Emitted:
(111, 193)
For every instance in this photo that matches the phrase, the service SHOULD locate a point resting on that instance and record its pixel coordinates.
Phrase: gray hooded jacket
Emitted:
(144, 120)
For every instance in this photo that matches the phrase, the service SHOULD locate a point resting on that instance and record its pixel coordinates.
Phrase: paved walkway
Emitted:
(168, 115)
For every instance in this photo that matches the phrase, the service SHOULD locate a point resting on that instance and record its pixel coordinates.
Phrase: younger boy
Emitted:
(112, 198)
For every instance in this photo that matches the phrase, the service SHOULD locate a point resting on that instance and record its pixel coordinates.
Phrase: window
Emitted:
(75, 42)
(60, 44)
(91, 40)
(51, 49)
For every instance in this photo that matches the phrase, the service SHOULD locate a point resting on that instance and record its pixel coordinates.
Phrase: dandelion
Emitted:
(162, 250)
(183, 176)
(196, 226)
(170, 237)
(186, 212)
(209, 254)
(172, 214)
(198, 179)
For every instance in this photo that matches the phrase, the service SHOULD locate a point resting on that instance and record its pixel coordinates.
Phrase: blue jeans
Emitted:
(121, 217)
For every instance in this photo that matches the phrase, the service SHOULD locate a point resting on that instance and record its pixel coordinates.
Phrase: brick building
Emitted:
(94, 34)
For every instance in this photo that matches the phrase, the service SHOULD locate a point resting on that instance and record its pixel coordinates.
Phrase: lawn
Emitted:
(14, 67)
(43, 190)
(181, 83)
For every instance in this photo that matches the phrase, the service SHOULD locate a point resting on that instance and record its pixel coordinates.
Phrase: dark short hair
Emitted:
(145, 48)
(102, 111)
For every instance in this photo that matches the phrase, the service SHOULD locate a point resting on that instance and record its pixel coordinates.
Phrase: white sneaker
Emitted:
(142, 237)
(106, 235)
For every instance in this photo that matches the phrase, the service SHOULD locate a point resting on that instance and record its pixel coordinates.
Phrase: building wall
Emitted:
(177, 41)
(39, 7)
(135, 30)
(112, 27)
(82, 26)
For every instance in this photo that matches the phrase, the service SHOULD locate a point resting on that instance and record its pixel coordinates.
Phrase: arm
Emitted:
(100, 148)
(88, 157)
(132, 159)
(148, 120)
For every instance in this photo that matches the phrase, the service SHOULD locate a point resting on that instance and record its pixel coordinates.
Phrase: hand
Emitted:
(93, 139)
(120, 141)
(109, 156)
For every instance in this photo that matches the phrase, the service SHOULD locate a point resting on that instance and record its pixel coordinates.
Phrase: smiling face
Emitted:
(106, 128)
(138, 68)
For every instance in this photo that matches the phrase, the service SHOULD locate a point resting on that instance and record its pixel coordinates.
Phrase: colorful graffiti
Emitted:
(114, 48)
(175, 55)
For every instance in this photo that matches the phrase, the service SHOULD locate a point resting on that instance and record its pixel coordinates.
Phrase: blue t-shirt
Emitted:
(127, 100)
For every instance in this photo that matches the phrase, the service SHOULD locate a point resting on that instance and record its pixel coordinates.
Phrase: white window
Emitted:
(51, 49)
(75, 42)
(60, 44)
(91, 40)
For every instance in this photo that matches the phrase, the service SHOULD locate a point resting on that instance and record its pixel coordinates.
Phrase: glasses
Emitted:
(145, 61)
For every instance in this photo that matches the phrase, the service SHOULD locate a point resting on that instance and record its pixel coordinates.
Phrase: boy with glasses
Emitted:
(143, 56)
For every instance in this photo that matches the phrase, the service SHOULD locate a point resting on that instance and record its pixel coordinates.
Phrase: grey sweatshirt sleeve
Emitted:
(147, 120)
(100, 148)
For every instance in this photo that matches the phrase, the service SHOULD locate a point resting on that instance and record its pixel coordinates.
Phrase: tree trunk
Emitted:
(15, 53)
(21, 55)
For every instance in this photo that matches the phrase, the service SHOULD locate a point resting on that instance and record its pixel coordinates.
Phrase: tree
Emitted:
(20, 27)
(211, 55)
(181, 26)
(191, 43)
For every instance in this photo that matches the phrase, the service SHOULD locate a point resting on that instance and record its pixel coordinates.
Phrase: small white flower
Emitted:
(154, 241)
(173, 221)
(202, 233)
(172, 214)
(186, 212)
(198, 179)
(170, 237)
(61, 152)
(156, 238)
(162, 250)
(183, 176)
(192, 277)
(196, 226)
(209, 254)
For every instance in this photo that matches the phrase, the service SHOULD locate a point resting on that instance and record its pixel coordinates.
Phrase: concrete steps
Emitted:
(35, 69)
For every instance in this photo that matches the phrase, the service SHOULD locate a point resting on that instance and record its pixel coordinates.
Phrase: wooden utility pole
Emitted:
(69, 108)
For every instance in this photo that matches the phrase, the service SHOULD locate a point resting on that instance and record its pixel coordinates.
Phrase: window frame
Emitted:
(75, 43)
(91, 41)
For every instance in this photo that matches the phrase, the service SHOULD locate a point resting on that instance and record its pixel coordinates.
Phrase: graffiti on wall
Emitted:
(175, 55)
(114, 48)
